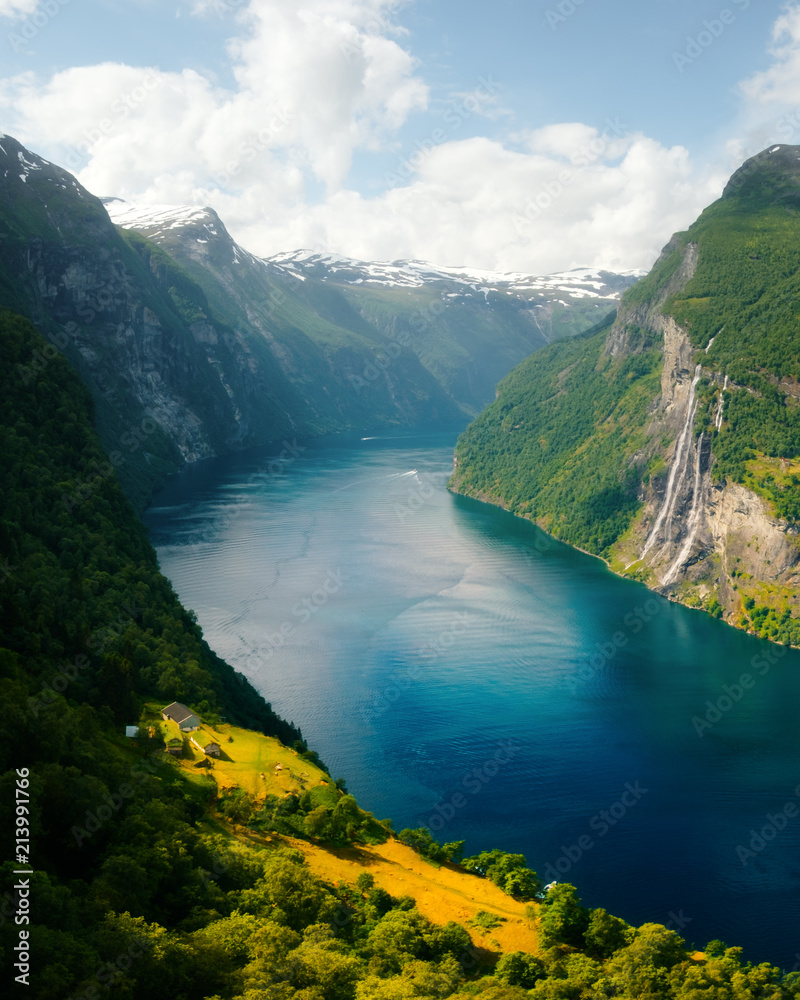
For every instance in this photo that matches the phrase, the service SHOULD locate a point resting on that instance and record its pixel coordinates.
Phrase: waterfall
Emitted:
(677, 464)
(721, 406)
(708, 346)
(694, 518)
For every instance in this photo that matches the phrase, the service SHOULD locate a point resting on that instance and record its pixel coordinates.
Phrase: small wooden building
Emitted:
(182, 716)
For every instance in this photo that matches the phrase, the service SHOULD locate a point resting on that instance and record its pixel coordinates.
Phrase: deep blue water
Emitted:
(466, 672)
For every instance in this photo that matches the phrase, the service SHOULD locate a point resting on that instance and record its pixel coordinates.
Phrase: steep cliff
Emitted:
(679, 466)
(164, 373)
(385, 334)
(192, 347)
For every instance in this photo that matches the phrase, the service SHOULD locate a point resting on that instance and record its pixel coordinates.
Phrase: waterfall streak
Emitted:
(694, 518)
(678, 461)
(721, 407)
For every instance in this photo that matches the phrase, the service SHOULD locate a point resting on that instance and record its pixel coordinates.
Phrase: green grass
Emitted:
(250, 761)
(486, 921)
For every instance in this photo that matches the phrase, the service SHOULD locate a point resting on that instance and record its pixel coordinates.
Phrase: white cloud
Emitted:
(770, 99)
(779, 84)
(315, 82)
(478, 203)
(17, 8)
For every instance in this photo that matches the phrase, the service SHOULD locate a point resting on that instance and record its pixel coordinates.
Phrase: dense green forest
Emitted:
(553, 443)
(569, 440)
(140, 889)
(742, 304)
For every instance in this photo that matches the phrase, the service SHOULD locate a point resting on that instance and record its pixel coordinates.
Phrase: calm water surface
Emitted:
(465, 672)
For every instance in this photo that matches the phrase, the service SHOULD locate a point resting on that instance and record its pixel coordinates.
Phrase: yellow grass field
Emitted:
(442, 894)
(260, 765)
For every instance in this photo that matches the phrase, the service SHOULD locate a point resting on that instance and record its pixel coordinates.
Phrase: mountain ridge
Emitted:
(691, 419)
(581, 281)
(193, 347)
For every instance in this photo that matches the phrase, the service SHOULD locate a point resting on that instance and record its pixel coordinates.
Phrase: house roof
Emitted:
(211, 747)
(178, 713)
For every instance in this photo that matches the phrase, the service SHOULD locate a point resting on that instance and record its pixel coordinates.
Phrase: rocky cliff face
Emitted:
(702, 542)
(193, 347)
(669, 442)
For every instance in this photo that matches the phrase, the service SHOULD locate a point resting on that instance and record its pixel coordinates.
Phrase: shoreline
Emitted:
(668, 597)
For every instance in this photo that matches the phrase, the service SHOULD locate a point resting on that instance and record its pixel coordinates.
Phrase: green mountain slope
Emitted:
(548, 448)
(377, 338)
(147, 880)
(639, 443)
(192, 347)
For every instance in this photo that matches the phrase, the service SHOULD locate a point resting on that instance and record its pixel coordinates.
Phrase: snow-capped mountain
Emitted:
(160, 223)
(580, 282)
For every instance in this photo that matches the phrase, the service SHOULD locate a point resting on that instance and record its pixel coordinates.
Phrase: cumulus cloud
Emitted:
(780, 82)
(770, 99)
(17, 8)
(477, 202)
(314, 83)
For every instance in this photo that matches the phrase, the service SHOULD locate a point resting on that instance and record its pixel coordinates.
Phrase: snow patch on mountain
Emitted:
(159, 217)
(578, 283)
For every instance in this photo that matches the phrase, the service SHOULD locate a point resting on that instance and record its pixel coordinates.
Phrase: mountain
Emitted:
(243, 871)
(668, 441)
(467, 329)
(193, 347)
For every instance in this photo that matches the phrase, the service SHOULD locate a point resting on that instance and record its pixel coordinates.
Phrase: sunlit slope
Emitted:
(641, 442)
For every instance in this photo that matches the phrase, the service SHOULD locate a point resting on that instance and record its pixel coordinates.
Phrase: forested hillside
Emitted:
(668, 442)
(550, 444)
(147, 882)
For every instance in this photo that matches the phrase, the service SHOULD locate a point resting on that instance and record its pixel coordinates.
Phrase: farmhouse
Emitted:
(183, 717)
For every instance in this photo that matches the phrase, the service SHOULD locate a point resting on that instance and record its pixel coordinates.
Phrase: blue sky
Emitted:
(514, 135)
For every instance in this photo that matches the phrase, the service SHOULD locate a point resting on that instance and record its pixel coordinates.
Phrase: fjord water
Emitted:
(467, 673)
